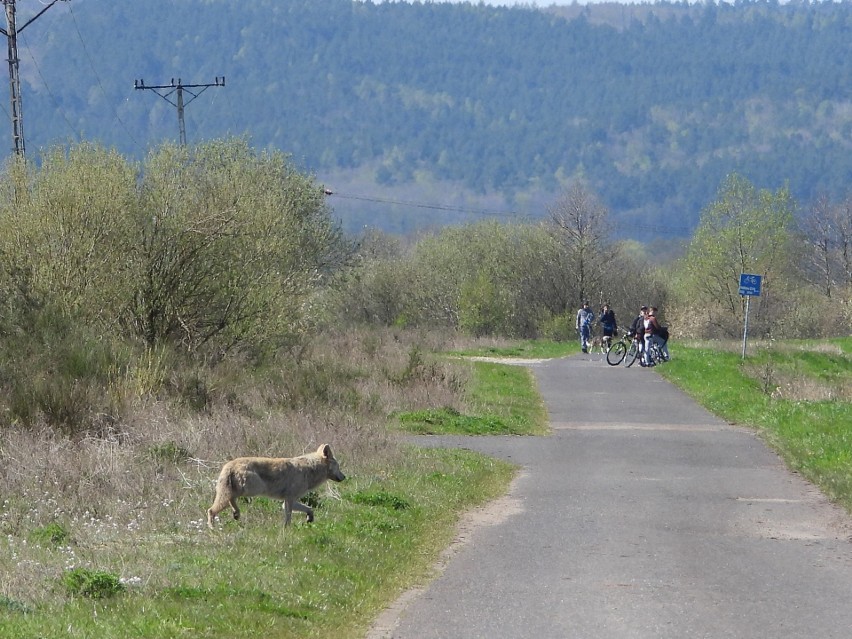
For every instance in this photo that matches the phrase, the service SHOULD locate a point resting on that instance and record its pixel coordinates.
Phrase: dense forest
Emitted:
(425, 113)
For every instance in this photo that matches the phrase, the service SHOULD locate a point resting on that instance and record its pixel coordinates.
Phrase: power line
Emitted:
(424, 205)
(655, 229)
(179, 89)
(49, 92)
(97, 77)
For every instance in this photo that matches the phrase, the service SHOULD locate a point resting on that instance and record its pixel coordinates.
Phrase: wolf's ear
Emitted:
(325, 451)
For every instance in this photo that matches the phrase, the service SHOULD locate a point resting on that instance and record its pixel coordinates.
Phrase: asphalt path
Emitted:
(642, 516)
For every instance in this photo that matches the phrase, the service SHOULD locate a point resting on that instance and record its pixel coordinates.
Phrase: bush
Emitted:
(53, 534)
(559, 328)
(92, 584)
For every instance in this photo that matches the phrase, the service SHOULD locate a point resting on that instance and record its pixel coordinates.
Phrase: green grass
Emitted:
(255, 578)
(813, 436)
(505, 401)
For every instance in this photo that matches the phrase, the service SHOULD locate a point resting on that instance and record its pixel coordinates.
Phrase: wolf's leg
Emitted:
(304, 509)
(235, 508)
(219, 504)
(288, 511)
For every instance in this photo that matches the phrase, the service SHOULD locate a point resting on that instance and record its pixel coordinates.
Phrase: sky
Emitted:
(537, 3)
(543, 3)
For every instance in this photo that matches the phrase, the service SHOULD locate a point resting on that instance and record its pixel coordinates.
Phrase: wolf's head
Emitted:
(332, 467)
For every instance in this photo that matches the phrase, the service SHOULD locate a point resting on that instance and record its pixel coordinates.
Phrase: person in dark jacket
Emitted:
(637, 332)
(608, 325)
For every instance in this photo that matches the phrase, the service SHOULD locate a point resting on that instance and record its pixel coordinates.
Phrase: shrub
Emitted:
(92, 584)
(169, 452)
(53, 534)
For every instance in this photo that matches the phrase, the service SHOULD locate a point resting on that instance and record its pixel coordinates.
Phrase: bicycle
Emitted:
(626, 350)
(656, 353)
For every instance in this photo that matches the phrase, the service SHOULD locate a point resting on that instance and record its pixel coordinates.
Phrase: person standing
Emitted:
(637, 332)
(608, 325)
(585, 317)
(661, 335)
(652, 327)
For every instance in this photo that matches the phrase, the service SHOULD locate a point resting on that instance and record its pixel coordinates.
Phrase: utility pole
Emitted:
(179, 88)
(14, 78)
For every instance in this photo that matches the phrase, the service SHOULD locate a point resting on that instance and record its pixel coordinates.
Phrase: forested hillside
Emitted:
(470, 107)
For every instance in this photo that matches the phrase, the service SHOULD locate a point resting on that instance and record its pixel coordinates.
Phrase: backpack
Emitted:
(664, 333)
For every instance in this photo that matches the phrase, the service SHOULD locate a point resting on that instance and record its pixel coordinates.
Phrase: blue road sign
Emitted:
(749, 284)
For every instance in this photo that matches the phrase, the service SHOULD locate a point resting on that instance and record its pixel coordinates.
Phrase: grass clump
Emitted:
(383, 499)
(170, 452)
(92, 584)
(53, 534)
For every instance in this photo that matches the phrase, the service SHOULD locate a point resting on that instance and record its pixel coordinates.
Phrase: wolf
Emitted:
(284, 478)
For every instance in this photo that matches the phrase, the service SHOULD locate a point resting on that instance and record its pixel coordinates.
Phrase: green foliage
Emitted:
(230, 245)
(744, 231)
(68, 244)
(481, 309)
(57, 370)
(559, 328)
(92, 584)
(11, 606)
(170, 452)
(53, 534)
(486, 279)
(381, 499)
(109, 269)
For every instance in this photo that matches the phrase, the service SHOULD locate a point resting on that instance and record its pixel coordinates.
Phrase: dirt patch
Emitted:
(508, 360)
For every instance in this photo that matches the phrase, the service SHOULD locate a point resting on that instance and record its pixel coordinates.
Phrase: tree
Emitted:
(68, 232)
(231, 246)
(743, 231)
(820, 231)
(578, 223)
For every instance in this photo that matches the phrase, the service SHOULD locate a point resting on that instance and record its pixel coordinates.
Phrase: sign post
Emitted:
(749, 285)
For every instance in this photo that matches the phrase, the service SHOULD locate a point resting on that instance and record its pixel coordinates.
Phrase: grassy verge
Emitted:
(376, 536)
(103, 535)
(796, 394)
(503, 399)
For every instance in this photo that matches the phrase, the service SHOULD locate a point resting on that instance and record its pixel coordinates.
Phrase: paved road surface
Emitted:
(643, 516)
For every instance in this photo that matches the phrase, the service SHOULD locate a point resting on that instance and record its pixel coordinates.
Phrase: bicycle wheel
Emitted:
(632, 354)
(616, 354)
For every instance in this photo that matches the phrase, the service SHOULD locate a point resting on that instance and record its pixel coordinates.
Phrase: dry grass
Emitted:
(151, 476)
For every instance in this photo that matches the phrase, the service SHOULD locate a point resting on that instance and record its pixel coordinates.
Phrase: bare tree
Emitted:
(827, 230)
(844, 239)
(820, 232)
(578, 223)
